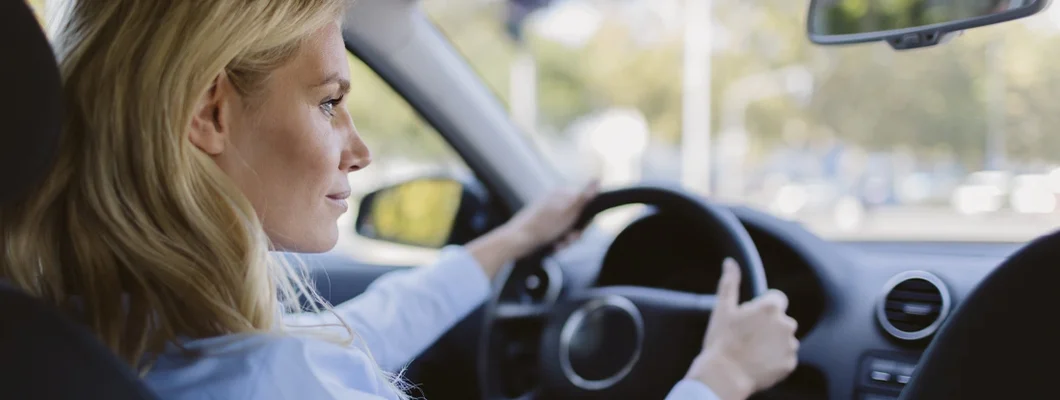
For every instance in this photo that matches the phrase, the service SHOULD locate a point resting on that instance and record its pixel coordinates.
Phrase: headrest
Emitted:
(30, 100)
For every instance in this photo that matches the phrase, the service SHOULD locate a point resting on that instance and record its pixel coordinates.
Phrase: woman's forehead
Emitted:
(322, 58)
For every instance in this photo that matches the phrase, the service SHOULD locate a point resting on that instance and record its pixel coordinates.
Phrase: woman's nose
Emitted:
(357, 155)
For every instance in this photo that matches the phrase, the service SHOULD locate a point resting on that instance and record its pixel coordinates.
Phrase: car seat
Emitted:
(43, 355)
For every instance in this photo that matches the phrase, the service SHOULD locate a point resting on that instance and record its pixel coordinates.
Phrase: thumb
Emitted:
(589, 191)
(582, 199)
(728, 287)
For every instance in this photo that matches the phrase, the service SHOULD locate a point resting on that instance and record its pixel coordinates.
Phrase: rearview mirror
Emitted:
(908, 24)
(426, 212)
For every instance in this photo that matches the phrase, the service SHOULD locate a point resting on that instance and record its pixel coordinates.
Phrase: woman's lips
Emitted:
(339, 199)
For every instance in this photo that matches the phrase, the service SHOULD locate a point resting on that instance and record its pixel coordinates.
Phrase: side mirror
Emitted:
(427, 212)
(908, 24)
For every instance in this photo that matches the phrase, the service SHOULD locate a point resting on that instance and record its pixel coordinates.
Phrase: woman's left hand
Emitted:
(548, 220)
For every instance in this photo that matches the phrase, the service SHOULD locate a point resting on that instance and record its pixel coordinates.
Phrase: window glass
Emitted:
(950, 143)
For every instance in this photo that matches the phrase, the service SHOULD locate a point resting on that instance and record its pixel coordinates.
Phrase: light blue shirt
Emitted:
(397, 318)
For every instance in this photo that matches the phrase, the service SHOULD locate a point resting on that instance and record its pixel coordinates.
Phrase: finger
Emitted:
(791, 364)
(781, 299)
(592, 188)
(575, 236)
(773, 301)
(568, 196)
(728, 286)
(790, 323)
(588, 192)
(566, 242)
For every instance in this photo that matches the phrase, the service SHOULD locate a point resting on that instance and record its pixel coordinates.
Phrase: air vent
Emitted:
(913, 306)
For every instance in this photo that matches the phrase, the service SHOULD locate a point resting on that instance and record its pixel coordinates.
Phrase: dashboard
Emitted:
(866, 311)
(836, 290)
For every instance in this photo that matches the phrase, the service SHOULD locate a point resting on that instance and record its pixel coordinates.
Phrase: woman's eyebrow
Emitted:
(334, 77)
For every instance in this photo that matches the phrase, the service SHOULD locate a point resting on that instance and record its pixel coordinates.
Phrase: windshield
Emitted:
(950, 143)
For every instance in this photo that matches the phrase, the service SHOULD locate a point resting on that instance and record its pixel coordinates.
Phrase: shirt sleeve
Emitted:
(402, 313)
(292, 368)
(690, 389)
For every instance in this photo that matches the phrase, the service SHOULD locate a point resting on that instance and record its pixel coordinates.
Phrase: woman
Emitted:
(202, 135)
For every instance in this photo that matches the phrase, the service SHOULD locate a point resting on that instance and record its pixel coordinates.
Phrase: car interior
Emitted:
(624, 315)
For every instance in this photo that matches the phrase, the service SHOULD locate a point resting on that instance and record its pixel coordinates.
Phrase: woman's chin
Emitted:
(322, 241)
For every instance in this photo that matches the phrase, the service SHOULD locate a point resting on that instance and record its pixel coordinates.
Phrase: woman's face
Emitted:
(290, 147)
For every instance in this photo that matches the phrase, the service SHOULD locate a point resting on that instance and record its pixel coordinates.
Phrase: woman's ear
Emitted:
(210, 124)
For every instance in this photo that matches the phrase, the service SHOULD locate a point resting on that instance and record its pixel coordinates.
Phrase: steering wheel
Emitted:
(605, 342)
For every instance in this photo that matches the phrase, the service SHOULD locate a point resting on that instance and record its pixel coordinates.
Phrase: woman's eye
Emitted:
(329, 106)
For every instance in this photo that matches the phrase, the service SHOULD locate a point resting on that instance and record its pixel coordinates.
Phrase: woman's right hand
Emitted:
(748, 347)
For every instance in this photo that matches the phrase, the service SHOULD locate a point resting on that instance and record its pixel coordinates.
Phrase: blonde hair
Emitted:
(135, 232)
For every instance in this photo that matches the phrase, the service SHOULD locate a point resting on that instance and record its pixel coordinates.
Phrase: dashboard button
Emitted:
(903, 379)
(880, 376)
(872, 396)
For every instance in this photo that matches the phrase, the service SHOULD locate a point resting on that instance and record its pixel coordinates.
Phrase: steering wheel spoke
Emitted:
(652, 297)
